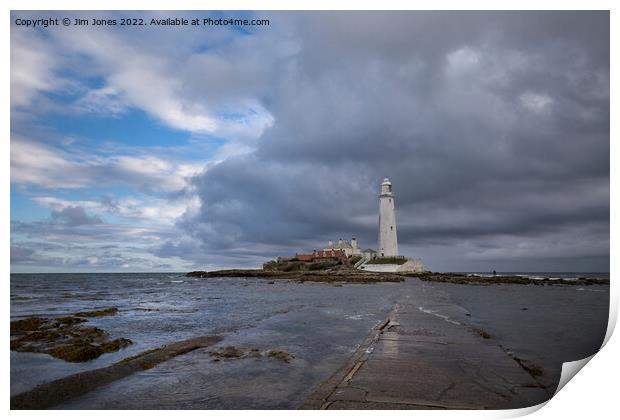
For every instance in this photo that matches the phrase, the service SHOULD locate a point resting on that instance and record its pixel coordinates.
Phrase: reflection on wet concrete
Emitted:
(423, 358)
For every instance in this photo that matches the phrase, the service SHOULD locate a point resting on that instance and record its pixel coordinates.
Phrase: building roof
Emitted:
(336, 245)
(369, 250)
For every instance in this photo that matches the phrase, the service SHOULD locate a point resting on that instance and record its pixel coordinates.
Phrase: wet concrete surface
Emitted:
(428, 355)
(546, 326)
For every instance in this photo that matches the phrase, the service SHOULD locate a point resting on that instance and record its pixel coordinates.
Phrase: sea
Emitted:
(540, 275)
(319, 324)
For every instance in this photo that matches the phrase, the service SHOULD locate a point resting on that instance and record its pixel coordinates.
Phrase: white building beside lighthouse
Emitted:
(388, 242)
(385, 260)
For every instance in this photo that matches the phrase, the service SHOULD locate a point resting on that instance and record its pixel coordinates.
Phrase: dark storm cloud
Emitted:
(493, 127)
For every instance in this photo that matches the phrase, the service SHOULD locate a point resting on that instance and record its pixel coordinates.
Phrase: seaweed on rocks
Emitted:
(60, 390)
(229, 352)
(280, 355)
(335, 274)
(459, 278)
(346, 274)
(232, 352)
(98, 312)
(26, 325)
(64, 338)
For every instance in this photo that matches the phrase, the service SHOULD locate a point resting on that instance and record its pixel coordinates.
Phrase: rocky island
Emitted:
(344, 271)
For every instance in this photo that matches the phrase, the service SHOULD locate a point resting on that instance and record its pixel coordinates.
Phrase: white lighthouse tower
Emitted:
(388, 244)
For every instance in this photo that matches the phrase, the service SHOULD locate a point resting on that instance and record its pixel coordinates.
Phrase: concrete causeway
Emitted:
(427, 357)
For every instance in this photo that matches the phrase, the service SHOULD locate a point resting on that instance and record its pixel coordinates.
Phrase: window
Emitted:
(391, 227)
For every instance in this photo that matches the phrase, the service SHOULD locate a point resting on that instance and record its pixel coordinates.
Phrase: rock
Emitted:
(301, 272)
(53, 393)
(71, 320)
(499, 279)
(76, 352)
(115, 345)
(338, 273)
(28, 324)
(482, 333)
(232, 352)
(229, 352)
(64, 338)
(255, 353)
(280, 355)
(98, 312)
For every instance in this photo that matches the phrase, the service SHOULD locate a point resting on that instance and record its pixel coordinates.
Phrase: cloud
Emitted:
(74, 240)
(33, 66)
(189, 83)
(536, 102)
(74, 216)
(58, 204)
(106, 100)
(153, 210)
(33, 163)
(21, 254)
(146, 79)
(144, 210)
(80, 259)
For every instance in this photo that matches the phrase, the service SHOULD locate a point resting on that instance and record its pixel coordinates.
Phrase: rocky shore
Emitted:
(232, 352)
(67, 337)
(352, 275)
(52, 393)
(458, 278)
(344, 274)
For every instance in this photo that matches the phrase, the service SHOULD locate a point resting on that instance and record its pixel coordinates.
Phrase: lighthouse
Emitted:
(388, 244)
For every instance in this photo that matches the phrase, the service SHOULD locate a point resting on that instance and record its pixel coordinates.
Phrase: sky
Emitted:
(182, 148)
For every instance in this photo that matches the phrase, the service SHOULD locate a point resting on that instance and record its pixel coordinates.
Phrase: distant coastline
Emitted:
(351, 275)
